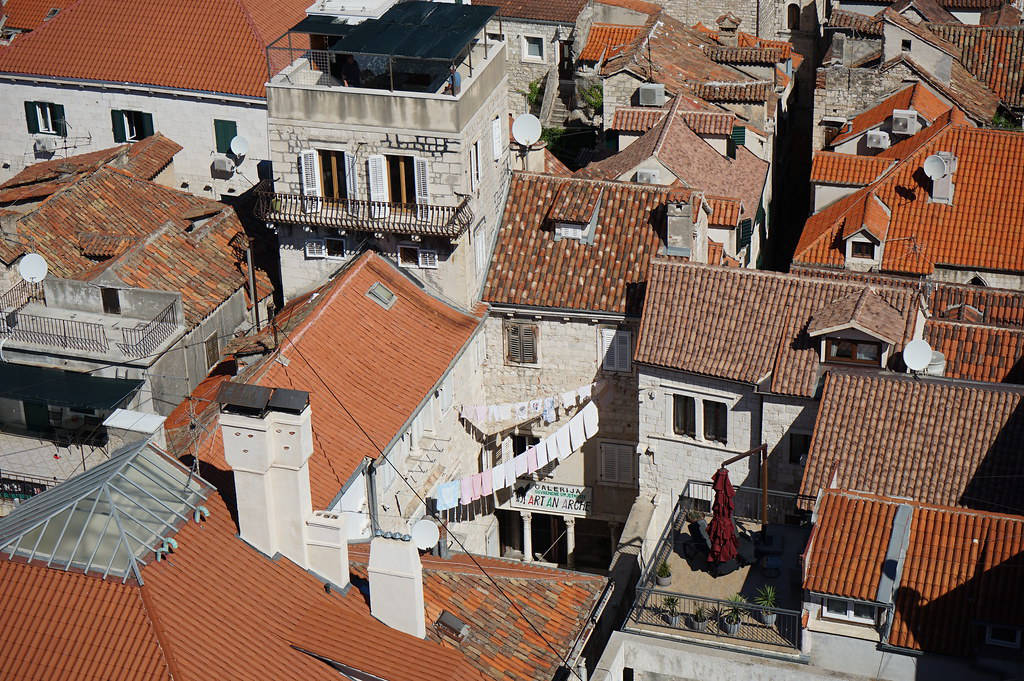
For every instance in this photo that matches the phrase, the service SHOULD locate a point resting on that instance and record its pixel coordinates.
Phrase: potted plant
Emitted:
(693, 515)
(664, 574)
(731, 614)
(766, 598)
(671, 604)
(700, 617)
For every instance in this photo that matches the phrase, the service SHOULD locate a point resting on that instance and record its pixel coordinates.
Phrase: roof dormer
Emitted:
(861, 328)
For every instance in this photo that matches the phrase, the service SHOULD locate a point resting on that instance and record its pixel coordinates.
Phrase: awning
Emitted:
(318, 24)
(60, 388)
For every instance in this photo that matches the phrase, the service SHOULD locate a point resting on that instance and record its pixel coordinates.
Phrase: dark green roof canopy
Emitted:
(64, 388)
(321, 25)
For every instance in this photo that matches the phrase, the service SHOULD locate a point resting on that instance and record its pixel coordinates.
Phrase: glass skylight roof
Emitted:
(109, 520)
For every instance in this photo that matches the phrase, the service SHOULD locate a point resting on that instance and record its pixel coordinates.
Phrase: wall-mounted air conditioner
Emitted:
(45, 144)
(652, 94)
(878, 139)
(904, 122)
(222, 165)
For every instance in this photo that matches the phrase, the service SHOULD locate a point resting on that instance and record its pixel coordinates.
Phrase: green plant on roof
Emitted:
(766, 597)
(664, 570)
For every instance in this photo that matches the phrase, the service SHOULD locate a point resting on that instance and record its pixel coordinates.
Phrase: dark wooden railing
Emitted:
(146, 338)
(360, 215)
(784, 508)
(22, 486)
(20, 295)
(60, 333)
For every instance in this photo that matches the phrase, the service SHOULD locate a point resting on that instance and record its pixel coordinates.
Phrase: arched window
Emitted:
(793, 17)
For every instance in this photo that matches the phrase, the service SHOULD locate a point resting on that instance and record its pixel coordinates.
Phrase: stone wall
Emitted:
(845, 92)
(523, 70)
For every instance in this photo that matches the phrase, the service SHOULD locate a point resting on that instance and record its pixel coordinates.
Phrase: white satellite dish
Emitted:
(526, 129)
(33, 268)
(425, 534)
(239, 145)
(917, 355)
(935, 167)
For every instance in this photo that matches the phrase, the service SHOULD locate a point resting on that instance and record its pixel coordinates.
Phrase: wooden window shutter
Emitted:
(496, 144)
(622, 350)
(60, 125)
(309, 178)
(223, 133)
(626, 457)
(32, 117)
(528, 340)
(147, 125)
(422, 188)
(609, 463)
(117, 121)
(515, 348)
(377, 168)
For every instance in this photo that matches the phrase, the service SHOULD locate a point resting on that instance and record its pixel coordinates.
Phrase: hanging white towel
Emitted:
(590, 420)
(535, 406)
(585, 392)
(504, 412)
(519, 465)
(549, 410)
(481, 414)
(521, 410)
(568, 399)
(576, 436)
(492, 413)
(542, 452)
(562, 442)
(448, 495)
(498, 477)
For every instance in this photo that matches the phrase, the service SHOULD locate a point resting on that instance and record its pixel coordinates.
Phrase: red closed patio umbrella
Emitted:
(722, 531)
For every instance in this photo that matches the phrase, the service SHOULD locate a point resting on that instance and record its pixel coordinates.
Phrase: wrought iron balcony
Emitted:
(20, 295)
(364, 216)
(55, 332)
(145, 338)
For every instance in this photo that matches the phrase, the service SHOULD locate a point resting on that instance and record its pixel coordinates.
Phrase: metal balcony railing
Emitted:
(20, 295)
(146, 338)
(58, 333)
(23, 486)
(366, 216)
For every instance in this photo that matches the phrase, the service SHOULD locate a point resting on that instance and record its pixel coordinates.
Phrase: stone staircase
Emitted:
(563, 100)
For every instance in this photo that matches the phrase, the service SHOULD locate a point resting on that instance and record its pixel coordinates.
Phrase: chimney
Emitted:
(940, 168)
(679, 229)
(396, 585)
(535, 157)
(327, 546)
(728, 29)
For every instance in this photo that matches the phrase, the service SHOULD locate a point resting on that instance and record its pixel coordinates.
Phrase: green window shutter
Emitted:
(147, 126)
(59, 123)
(224, 132)
(746, 230)
(739, 135)
(117, 119)
(31, 117)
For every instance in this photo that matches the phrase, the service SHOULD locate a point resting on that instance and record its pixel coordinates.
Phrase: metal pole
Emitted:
(391, 72)
(252, 285)
(764, 486)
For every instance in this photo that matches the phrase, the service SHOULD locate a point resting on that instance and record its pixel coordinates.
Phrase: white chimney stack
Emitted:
(327, 544)
(396, 585)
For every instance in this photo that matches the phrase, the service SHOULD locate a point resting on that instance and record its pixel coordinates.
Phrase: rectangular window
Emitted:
(716, 421)
(533, 48)
(862, 249)
(212, 350)
(840, 608)
(335, 248)
(46, 118)
(684, 415)
(618, 464)
(444, 394)
(111, 300)
(570, 230)
(520, 343)
(1007, 637)
(521, 442)
(401, 179)
(854, 352)
(905, 45)
(414, 256)
(799, 446)
(223, 133)
(131, 126)
(316, 248)
(474, 166)
(334, 180)
(616, 349)
(497, 144)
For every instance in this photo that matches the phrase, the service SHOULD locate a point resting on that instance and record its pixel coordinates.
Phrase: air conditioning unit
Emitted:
(878, 139)
(652, 94)
(223, 165)
(904, 122)
(45, 144)
(647, 176)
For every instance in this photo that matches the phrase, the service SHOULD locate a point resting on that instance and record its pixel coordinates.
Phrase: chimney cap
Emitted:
(285, 399)
(243, 398)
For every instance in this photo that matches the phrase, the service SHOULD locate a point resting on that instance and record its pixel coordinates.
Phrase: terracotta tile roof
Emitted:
(378, 385)
(1003, 15)
(531, 268)
(930, 10)
(995, 306)
(919, 30)
(864, 310)
(870, 26)
(974, 97)
(692, 160)
(147, 157)
(710, 122)
(981, 229)
(725, 212)
(758, 91)
(978, 353)
(970, 4)
(553, 166)
(930, 440)
(829, 167)
(217, 46)
(146, 241)
(744, 325)
(744, 55)
(635, 5)
(960, 568)
(994, 54)
(635, 119)
(918, 97)
(562, 12)
(500, 643)
(606, 40)
(29, 15)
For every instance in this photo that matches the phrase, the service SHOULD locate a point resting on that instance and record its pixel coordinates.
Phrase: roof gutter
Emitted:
(558, 312)
(581, 641)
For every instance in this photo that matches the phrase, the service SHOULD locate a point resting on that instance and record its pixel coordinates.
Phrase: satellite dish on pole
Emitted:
(239, 145)
(917, 354)
(526, 129)
(935, 167)
(33, 268)
(425, 534)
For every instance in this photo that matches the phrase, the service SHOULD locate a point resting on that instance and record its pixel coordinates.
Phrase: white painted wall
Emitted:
(183, 117)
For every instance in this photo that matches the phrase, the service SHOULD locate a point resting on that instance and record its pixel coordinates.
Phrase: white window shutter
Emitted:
(608, 349)
(316, 248)
(351, 181)
(506, 449)
(309, 177)
(496, 143)
(422, 189)
(427, 258)
(377, 166)
(474, 165)
(480, 249)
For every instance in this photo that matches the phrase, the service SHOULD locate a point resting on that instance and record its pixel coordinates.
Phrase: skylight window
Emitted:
(382, 295)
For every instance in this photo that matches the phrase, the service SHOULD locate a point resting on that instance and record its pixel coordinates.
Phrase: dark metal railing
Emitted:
(785, 508)
(60, 333)
(716, 618)
(360, 215)
(146, 338)
(22, 486)
(20, 295)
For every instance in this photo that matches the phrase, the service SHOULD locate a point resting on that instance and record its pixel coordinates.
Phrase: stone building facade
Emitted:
(842, 92)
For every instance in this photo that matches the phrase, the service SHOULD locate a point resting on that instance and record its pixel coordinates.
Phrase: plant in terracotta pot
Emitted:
(671, 604)
(766, 597)
(732, 613)
(664, 574)
(700, 617)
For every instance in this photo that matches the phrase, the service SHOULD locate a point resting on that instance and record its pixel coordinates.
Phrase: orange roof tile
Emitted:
(635, 119)
(607, 40)
(981, 229)
(931, 440)
(710, 122)
(870, 26)
(725, 212)
(553, 166)
(993, 54)
(829, 167)
(29, 15)
(216, 46)
(565, 11)
(962, 88)
(918, 97)
(635, 5)
(978, 353)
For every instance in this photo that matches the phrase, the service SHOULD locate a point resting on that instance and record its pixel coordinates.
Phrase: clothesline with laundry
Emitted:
(560, 444)
(545, 405)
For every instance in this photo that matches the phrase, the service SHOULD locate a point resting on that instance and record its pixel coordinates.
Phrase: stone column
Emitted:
(527, 536)
(570, 541)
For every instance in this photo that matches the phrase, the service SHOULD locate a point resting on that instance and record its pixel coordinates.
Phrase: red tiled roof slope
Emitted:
(929, 440)
(829, 167)
(978, 353)
(561, 11)
(918, 97)
(215, 46)
(635, 119)
(763, 336)
(870, 26)
(994, 54)
(29, 15)
(606, 40)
